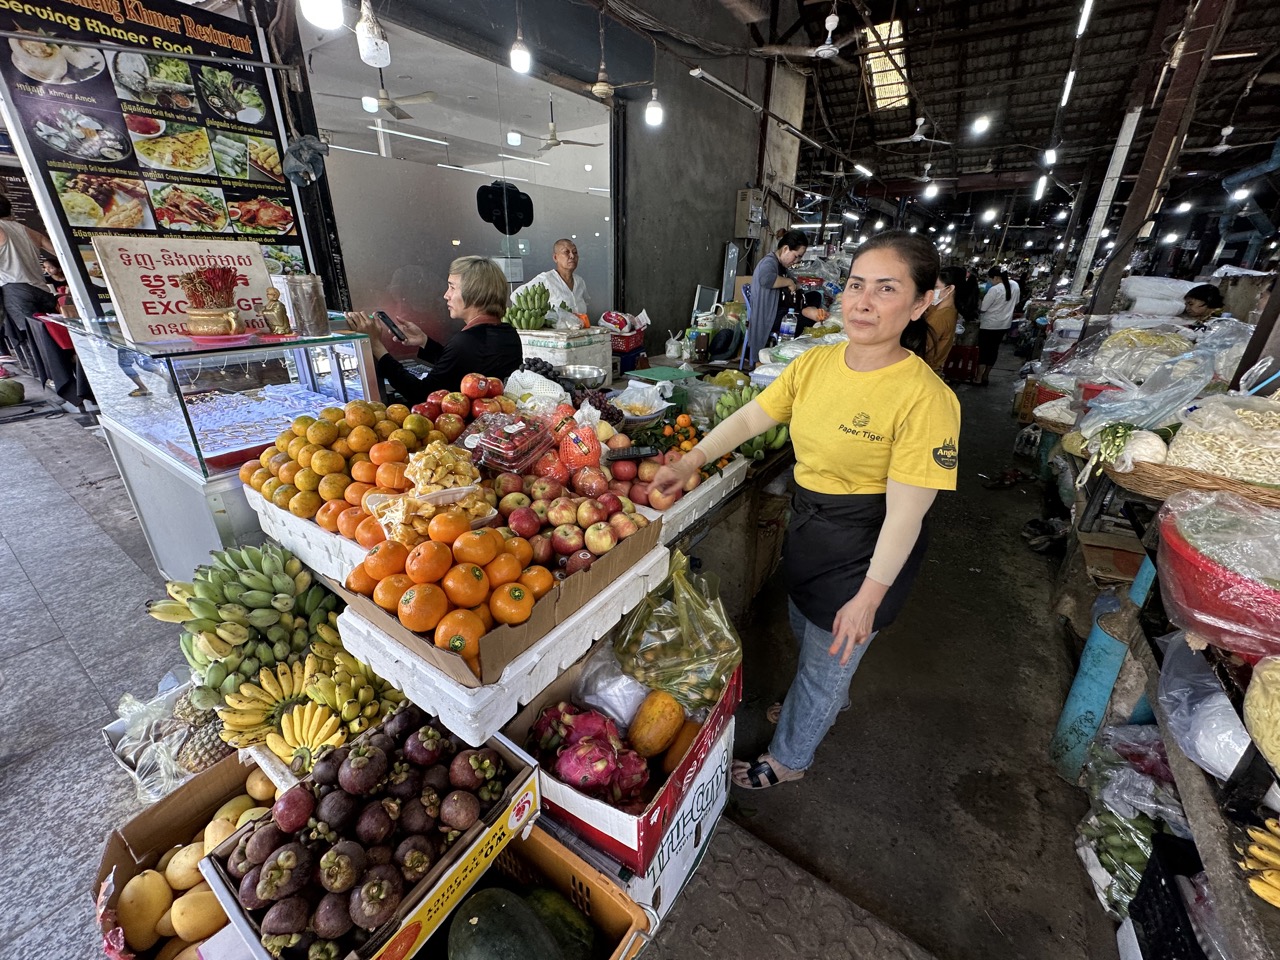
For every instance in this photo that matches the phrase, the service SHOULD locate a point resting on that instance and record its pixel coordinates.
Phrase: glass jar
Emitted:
(306, 297)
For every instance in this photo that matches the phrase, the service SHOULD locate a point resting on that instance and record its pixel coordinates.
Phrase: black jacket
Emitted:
(492, 349)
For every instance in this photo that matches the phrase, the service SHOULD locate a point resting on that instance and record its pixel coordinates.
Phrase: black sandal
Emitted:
(763, 775)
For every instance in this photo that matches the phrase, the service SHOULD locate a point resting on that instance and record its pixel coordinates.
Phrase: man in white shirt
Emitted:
(561, 282)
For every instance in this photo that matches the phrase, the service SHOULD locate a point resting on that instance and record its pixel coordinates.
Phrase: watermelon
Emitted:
(496, 924)
(565, 922)
(11, 391)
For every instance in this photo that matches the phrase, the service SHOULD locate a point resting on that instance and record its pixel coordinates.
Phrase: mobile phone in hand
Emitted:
(390, 325)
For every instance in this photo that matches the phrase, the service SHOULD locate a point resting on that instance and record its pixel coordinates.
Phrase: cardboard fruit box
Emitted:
(503, 644)
(170, 821)
(433, 898)
(633, 841)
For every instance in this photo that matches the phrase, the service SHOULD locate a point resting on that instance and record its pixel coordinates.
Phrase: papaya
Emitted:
(568, 925)
(495, 924)
(655, 724)
(679, 746)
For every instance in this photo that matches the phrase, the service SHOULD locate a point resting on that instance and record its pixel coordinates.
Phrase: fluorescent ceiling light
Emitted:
(1239, 55)
(1111, 244)
(1170, 238)
(1184, 207)
(514, 139)
(814, 226)
(951, 226)
(1084, 17)
(1062, 215)
(982, 124)
(850, 215)
(1051, 156)
(1066, 87)
(1104, 232)
(1241, 194)
(508, 156)
(586, 167)
(653, 110)
(325, 14)
(598, 189)
(912, 230)
(411, 136)
(727, 90)
(862, 238)
(483, 173)
(990, 215)
(1027, 244)
(879, 224)
(372, 153)
(863, 170)
(1040, 185)
(931, 190)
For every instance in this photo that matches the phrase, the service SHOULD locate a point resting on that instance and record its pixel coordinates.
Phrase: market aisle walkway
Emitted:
(932, 803)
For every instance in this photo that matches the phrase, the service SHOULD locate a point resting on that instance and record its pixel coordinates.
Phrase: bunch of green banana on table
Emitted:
(250, 609)
(757, 447)
(357, 695)
(529, 309)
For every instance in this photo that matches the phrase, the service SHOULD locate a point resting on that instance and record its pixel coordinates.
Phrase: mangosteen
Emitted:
(488, 763)
(364, 767)
(459, 810)
(292, 943)
(405, 781)
(374, 901)
(285, 872)
(267, 837)
(325, 949)
(414, 856)
(286, 916)
(328, 760)
(248, 895)
(430, 800)
(379, 855)
(463, 774)
(338, 809)
(238, 864)
(341, 866)
(380, 740)
(332, 918)
(414, 817)
(374, 823)
(426, 746)
(491, 792)
(294, 808)
(404, 721)
(438, 777)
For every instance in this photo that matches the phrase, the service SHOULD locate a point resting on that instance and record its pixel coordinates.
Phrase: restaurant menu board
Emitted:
(143, 142)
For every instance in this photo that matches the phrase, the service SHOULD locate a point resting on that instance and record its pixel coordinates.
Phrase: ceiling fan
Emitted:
(385, 102)
(928, 179)
(829, 49)
(552, 140)
(917, 136)
(1222, 146)
(603, 88)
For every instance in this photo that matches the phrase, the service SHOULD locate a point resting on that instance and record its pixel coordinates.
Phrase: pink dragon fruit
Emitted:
(549, 729)
(591, 723)
(629, 778)
(588, 765)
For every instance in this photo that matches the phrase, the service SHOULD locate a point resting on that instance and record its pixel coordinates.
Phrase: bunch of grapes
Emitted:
(598, 399)
(541, 367)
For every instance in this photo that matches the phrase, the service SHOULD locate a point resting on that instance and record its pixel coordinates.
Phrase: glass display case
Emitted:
(181, 418)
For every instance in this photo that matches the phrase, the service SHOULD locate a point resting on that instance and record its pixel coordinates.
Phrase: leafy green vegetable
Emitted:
(170, 69)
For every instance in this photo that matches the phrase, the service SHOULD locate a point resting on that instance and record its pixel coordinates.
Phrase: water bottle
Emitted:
(789, 324)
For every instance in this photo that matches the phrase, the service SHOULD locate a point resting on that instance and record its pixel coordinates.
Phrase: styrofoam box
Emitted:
(683, 845)
(328, 554)
(476, 714)
(692, 507)
(276, 769)
(592, 350)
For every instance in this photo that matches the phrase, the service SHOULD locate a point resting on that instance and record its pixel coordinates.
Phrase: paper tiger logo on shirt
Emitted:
(854, 428)
(861, 420)
(947, 456)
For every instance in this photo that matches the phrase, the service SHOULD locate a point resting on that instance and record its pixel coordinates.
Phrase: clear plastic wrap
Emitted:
(603, 686)
(1201, 718)
(1262, 709)
(151, 741)
(1125, 356)
(680, 639)
(1226, 340)
(1198, 900)
(1236, 437)
(1131, 787)
(1171, 386)
(1115, 851)
(1219, 564)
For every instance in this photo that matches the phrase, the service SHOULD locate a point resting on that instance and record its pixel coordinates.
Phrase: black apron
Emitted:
(828, 549)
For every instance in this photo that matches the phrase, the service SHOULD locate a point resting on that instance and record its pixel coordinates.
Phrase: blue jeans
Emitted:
(820, 689)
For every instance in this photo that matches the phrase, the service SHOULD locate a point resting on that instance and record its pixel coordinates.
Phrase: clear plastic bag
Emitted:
(151, 741)
(1226, 340)
(1115, 852)
(1198, 900)
(701, 400)
(603, 686)
(680, 639)
(1236, 437)
(1128, 789)
(641, 399)
(1219, 564)
(1171, 386)
(1201, 718)
(1262, 708)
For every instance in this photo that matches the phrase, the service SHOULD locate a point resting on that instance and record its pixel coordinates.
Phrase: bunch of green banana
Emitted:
(728, 403)
(357, 695)
(529, 310)
(758, 447)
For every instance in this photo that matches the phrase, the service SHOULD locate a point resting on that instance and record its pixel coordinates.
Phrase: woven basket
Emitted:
(1160, 481)
(1053, 426)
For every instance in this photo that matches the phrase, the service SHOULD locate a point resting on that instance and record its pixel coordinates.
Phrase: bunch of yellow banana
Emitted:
(353, 691)
(255, 709)
(1261, 861)
(304, 729)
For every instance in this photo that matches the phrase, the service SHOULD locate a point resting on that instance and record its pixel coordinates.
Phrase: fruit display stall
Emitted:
(430, 577)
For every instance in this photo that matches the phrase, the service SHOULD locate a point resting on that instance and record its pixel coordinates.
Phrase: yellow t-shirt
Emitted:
(853, 431)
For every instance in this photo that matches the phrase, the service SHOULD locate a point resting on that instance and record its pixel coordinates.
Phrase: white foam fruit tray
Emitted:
(476, 714)
(328, 554)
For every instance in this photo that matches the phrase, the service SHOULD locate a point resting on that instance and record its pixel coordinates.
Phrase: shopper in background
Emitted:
(476, 295)
(773, 290)
(562, 282)
(24, 290)
(995, 317)
(968, 302)
(942, 317)
(875, 434)
(1202, 303)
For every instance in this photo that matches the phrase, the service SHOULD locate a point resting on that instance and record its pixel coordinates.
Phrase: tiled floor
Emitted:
(74, 637)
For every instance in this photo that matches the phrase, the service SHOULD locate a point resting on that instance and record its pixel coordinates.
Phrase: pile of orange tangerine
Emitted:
(456, 585)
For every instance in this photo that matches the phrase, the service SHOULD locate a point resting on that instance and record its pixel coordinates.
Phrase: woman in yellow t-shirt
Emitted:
(875, 434)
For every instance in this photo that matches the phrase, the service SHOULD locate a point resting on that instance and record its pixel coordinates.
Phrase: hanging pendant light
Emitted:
(521, 58)
(653, 110)
(371, 38)
(325, 14)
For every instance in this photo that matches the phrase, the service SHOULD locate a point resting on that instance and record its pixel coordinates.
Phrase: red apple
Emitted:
(611, 503)
(640, 493)
(620, 488)
(590, 482)
(506, 483)
(562, 510)
(641, 520)
(475, 385)
(542, 552)
(511, 503)
(624, 469)
(456, 404)
(494, 388)
(660, 500)
(481, 406)
(451, 425)
(430, 407)
(546, 488)
(672, 458)
(566, 539)
(579, 561)
(540, 507)
(599, 538)
(659, 458)
(627, 505)
(646, 471)
(524, 521)
(526, 485)
(624, 525)
(619, 441)
(591, 511)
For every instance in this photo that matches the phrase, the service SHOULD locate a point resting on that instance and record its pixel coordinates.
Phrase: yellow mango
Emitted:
(198, 915)
(173, 949)
(232, 809)
(142, 903)
(259, 786)
(183, 871)
(216, 832)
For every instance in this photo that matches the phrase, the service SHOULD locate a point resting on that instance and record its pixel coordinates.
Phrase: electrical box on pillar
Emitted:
(750, 214)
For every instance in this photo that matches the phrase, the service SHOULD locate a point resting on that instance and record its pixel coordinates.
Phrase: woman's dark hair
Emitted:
(921, 258)
(968, 297)
(793, 240)
(1004, 278)
(953, 277)
(1207, 294)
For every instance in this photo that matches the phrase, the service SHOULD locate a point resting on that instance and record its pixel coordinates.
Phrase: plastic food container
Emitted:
(514, 446)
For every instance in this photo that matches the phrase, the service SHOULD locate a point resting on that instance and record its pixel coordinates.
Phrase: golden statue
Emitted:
(276, 315)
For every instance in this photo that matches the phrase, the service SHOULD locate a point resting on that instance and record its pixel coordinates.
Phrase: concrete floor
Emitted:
(932, 803)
